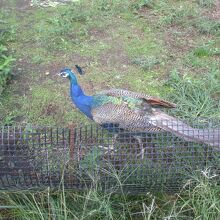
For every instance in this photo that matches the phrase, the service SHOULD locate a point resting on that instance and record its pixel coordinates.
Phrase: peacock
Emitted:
(123, 110)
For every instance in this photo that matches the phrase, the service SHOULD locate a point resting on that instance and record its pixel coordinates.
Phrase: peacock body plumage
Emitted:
(131, 111)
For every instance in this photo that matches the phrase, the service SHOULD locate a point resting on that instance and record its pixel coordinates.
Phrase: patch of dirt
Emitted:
(20, 79)
(23, 4)
(96, 34)
(54, 67)
(19, 4)
(115, 57)
(147, 13)
(50, 109)
(179, 39)
(82, 61)
(216, 11)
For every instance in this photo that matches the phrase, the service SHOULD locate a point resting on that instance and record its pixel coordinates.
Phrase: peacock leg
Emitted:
(140, 142)
(114, 139)
(146, 144)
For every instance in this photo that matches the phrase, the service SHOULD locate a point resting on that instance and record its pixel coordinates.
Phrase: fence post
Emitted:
(72, 139)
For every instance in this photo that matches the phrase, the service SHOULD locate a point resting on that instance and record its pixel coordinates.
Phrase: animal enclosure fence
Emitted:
(77, 156)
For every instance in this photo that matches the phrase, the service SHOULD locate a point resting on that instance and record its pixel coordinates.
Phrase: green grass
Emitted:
(5, 58)
(51, 111)
(178, 16)
(166, 48)
(72, 205)
(199, 199)
(206, 3)
(195, 97)
(207, 26)
(146, 63)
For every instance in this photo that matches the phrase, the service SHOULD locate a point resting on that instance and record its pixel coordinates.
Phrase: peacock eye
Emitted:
(64, 74)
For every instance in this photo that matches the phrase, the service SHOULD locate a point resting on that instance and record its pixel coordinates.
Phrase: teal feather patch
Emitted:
(132, 103)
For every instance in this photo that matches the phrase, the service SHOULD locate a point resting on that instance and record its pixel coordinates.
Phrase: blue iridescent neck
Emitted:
(75, 89)
(72, 78)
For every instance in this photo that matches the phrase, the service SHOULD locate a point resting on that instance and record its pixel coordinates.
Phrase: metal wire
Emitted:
(80, 156)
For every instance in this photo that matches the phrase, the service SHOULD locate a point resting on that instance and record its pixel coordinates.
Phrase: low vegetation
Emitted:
(199, 199)
(5, 59)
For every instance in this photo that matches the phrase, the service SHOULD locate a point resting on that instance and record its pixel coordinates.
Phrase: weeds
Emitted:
(65, 28)
(206, 3)
(178, 15)
(207, 26)
(143, 3)
(146, 63)
(90, 204)
(194, 96)
(5, 60)
(70, 26)
(200, 199)
(5, 69)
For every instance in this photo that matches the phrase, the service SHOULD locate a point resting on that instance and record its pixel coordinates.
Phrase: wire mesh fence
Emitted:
(77, 156)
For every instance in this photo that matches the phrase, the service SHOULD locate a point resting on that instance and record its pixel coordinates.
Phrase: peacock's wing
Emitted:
(153, 101)
(128, 114)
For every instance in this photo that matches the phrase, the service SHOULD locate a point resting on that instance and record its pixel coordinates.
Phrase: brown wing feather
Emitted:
(154, 102)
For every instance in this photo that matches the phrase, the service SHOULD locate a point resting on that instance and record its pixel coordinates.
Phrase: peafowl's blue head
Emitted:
(67, 73)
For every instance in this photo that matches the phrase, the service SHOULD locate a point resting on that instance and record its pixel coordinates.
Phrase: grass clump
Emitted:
(200, 198)
(64, 29)
(206, 52)
(204, 57)
(195, 97)
(206, 3)
(178, 15)
(207, 26)
(146, 63)
(143, 3)
(5, 60)
(89, 204)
